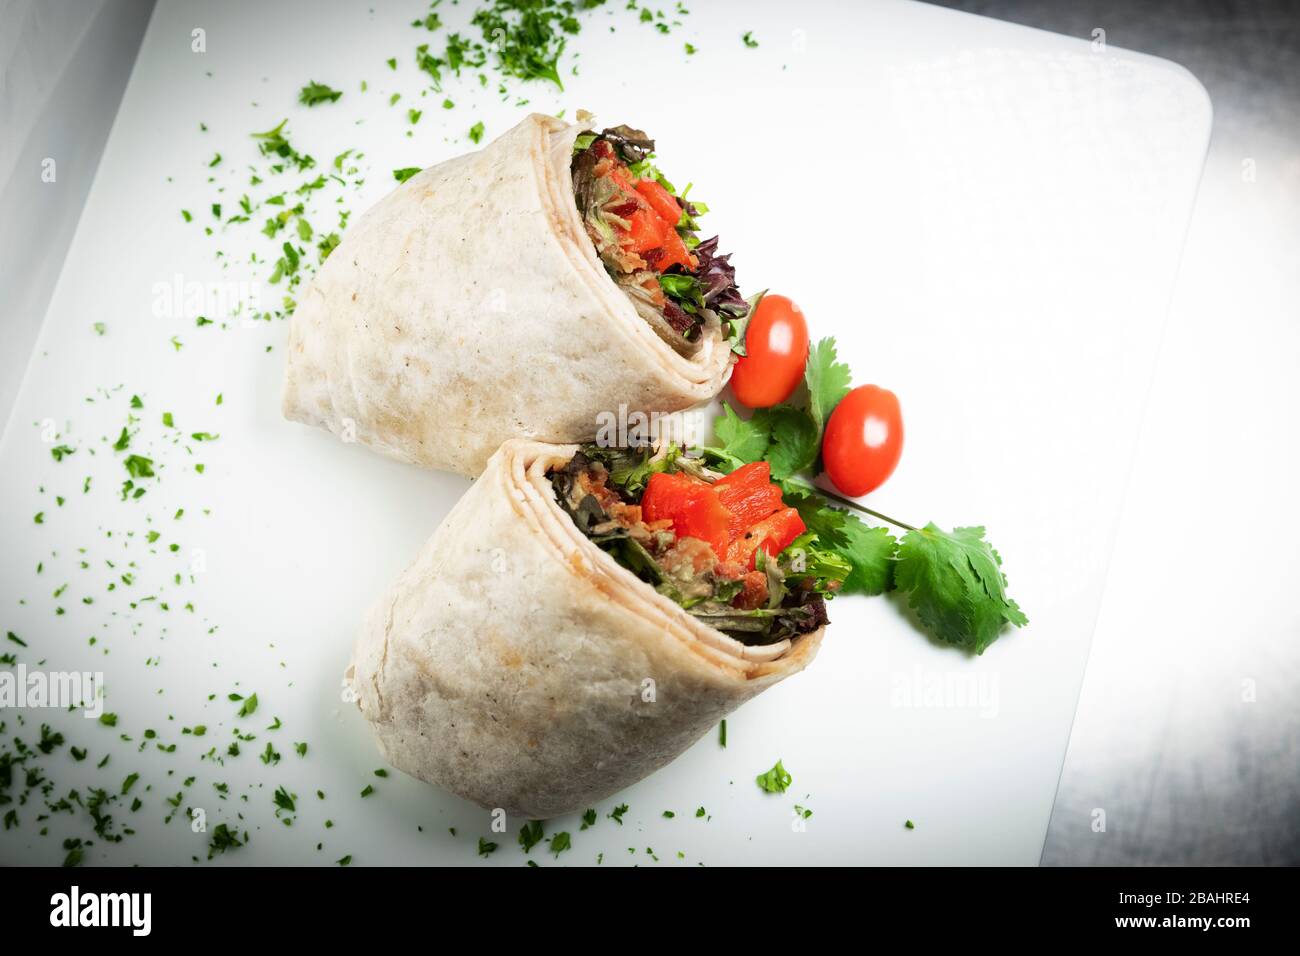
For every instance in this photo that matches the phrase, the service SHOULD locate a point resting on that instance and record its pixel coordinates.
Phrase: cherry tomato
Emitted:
(776, 343)
(864, 440)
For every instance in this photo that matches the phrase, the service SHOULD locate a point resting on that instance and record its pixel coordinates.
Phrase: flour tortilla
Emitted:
(518, 665)
(469, 306)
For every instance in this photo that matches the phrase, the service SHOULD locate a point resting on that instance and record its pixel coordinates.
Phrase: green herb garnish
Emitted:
(953, 581)
(776, 780)
(530, 834)
(560, 842)
(315, 93)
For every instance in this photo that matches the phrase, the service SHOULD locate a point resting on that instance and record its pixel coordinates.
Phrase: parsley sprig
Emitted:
(952, 581)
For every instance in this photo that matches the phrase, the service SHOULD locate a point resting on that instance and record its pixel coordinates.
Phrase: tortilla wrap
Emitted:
(469, 306)
(518, 665)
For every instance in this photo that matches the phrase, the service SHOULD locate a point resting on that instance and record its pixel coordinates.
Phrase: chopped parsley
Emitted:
(776, 780)
(530, 834)
(223, 839)
(560, 842)
(284, 800)
(315, 93)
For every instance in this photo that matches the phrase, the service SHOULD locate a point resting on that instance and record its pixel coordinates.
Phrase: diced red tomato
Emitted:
(661, 201)
(754, 594)
(773, 534)
(692, 506)
(652, 215)
(646, 231)
(675, 252)
(649, 233)
(750, 496)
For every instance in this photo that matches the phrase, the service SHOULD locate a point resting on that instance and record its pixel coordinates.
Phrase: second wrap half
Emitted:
(518, 665)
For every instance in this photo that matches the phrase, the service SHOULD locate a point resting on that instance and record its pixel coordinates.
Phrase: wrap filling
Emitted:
(646, 236)
(724, 547)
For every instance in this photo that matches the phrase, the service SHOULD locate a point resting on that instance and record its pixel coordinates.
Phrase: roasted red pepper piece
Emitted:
(692, 506)
(646, 231)
(654, 240)
(773, 534)
(750, 496)
(652, 214)
(661, 201)
(735, 515)
(675, 252)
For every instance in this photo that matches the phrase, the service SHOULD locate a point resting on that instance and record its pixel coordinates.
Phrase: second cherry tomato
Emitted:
(776, 346)
(863, 440)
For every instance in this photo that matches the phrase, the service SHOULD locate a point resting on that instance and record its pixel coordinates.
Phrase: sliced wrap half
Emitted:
(469, 306)
(518, 665)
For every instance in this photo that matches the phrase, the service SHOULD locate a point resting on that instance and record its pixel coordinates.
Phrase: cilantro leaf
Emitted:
(746, 440)
(405, 173)
(871, 552)
(818, 516)
(828, 381)
(795, 440)
(954, 583)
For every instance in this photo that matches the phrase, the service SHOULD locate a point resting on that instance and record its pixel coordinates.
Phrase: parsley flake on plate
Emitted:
(776, 780)
(315, 93)
(530, 834)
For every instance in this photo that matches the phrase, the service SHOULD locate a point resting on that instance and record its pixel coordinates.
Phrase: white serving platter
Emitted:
(987, 218)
